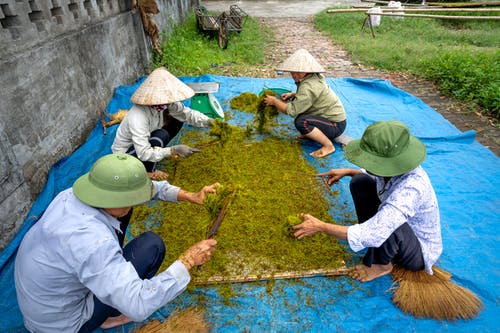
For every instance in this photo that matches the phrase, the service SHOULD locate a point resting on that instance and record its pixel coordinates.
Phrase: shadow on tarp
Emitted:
(466, 178)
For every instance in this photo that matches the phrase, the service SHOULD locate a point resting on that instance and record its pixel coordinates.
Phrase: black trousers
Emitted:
(146, 254)
(402, 248)
(305, 123)
(160, 138)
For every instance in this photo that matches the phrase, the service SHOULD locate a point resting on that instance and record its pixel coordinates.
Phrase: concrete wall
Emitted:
(60, 63)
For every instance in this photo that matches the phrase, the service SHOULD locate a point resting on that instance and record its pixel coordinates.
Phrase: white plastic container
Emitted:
(375, 19)
(396, 5)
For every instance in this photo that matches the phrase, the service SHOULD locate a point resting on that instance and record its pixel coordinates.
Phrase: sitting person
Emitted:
(71, 272)
(155, 119)
(395, 203)
(319, 113)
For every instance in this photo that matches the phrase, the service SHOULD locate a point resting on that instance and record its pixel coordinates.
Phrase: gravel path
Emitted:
(294, 29)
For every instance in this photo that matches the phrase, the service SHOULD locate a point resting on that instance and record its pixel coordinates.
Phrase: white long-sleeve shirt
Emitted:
(135, 129)
(71, 254)
(407, 198)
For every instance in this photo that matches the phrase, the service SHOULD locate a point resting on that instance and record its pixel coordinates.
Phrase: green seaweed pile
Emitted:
(270, 183)
(249, 102)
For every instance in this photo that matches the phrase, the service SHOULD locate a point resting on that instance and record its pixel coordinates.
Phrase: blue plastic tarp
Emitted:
(466, 178)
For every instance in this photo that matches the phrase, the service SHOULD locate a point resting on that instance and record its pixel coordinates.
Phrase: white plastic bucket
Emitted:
(375, 19)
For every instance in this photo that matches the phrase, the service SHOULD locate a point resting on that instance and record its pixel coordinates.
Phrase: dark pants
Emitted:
(160, 138)
(305, 123)
(146, 253)
(402, 248)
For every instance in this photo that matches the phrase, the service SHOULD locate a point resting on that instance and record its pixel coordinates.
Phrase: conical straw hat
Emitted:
(301, 61)
(161, 87)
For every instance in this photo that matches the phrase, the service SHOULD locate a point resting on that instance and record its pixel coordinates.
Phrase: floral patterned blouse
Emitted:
(408, 198)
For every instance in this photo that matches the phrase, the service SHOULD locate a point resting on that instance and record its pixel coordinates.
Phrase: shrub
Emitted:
(468, 76)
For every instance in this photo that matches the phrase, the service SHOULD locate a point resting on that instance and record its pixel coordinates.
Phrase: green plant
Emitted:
(468, 77)
(187, 51)
(462, 57)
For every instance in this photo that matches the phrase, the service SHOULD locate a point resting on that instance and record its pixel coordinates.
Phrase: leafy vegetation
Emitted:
(187, 52)
(462, 57)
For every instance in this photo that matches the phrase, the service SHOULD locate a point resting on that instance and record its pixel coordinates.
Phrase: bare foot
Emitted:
(323, 151)
(364, 273)
(115, 321)
(158, 175)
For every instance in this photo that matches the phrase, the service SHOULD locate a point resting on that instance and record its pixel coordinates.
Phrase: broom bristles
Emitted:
(433, 296)
(190, 320)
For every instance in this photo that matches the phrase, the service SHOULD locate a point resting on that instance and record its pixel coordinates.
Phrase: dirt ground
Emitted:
(299, 32)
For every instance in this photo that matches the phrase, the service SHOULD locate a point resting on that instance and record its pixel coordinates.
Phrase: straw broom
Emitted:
(433, 296)
(190, 320)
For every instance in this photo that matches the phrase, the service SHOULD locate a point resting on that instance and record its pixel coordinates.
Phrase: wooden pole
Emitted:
(450, 17)
(392, 9)
(273, 276)
(465, 4)
(348, 10)
(460, 10)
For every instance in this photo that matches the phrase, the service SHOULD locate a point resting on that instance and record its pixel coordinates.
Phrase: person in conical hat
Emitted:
(72, 272)
(155, 119)
(318, 112)
(395, 202)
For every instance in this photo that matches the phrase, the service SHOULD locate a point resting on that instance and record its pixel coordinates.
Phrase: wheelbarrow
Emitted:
(223, 23)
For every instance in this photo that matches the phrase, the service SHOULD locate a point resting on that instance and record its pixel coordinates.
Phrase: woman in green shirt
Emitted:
(319, 113)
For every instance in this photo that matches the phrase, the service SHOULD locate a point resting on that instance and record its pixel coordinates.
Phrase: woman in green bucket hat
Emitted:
(395, 203)
(71, 272)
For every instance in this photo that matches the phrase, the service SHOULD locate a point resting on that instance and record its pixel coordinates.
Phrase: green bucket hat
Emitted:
(115, 181)
(386, 149)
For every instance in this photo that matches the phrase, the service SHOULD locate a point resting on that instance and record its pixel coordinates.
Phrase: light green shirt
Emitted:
(314, 96)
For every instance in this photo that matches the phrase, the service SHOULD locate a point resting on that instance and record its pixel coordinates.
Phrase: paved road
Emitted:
(293, 8)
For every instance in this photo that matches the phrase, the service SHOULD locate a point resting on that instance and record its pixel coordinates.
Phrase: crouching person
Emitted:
(72, 275)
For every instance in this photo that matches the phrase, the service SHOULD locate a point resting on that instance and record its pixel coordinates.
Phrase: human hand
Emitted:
(199, 197)
(183, 150)
(198, 254)
(158, 175)
(287, 96)
(334, 175)
(309, 226)
(270, 100)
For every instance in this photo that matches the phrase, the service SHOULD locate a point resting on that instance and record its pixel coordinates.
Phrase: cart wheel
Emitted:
(223, 35)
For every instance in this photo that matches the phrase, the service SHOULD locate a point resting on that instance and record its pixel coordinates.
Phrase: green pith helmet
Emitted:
(386, 149)
(115, 181)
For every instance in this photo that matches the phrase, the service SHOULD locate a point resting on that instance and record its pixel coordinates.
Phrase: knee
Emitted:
(300, 123)
(358, 181)
(152, 241)
(159, 138)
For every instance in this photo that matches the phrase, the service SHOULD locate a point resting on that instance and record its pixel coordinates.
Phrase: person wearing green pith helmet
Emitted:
(395, 202)
(71, 272)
